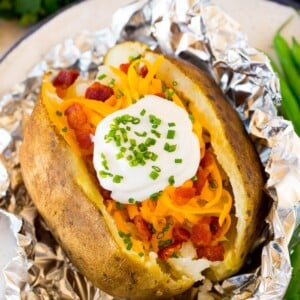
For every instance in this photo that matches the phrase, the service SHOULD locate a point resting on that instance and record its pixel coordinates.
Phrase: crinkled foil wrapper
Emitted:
(203, 34)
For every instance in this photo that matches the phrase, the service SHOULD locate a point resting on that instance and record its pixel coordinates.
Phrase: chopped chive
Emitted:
(112, 82)
(141, 134)
(143, 111)
(156, 168)
(59, 113)
(171, 124)
(191, 117)
(102, 76)
(150, 142)
(136, 120)
(129, 246)
(171, 134)
(194, 178)
(104, 174)
(65, 129)
(133, 58)
(170, 148)
(117, 178)
(123, 149)
(131, 200)
(120, 206)
(171, 180)
(174, 82)
(165, 243)
(121, 233)
(119, 155)
(178, 160)
(153, 175)
(155, 196)
(154, 120)
(141, 254)
(169, 94)
(142, 147)
(156, 133)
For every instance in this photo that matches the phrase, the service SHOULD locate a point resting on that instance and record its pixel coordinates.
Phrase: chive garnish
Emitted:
(170, 134)
(171, 180)
(102, 76)
(170, 148)
(59, 113)
(117, 178)
(153, 175)
(178, 160)
(65, 129)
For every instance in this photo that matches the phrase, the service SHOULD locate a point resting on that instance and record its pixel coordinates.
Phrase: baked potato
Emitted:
(159, 245)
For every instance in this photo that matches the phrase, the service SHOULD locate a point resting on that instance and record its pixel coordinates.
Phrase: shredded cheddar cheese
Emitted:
(171, 208)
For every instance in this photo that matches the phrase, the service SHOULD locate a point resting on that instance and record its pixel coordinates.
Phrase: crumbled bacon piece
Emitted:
(212, 253)
(84, 140)
(201, 234)
(180, 234)
(76, 116)
(168, 251)
(143, 71)
(65, 78)
(98, 91)
(124, 67)
(184, 194)
(142, 228)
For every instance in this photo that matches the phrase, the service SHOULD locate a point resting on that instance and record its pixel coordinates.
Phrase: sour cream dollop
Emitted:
(140, 150)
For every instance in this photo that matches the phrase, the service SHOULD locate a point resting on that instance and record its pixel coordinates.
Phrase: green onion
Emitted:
(174, 82)
(120, 206)
(141, 134)
(156, 133)
(155, 196)
(59, 113)
(153, 175)
(170, 148)
(194, 178)
(65, 129)
(102, 76)
(131, 200)
(178, 160)
(171, 124)
(117, 178)
(150, 142)
(104, 174)
(171, 180)
(143, 111)
(141, 254)
(171, 134)
(156, 168)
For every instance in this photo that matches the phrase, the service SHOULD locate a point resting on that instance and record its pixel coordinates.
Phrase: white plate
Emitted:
(259, 19)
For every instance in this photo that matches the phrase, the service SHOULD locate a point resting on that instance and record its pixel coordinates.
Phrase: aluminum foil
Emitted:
(202, 33)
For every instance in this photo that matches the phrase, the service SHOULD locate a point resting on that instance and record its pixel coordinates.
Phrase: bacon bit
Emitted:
(202, 175)
(207, 160)
(168, 251)
(184, 194)
(180, 234)
(142, 228)
(161, 95)
(98, 91)
(124, 67)
(63, 80)
(143, 71)
(201, 234)
(212, 253)
(76, 116)
(84, 140)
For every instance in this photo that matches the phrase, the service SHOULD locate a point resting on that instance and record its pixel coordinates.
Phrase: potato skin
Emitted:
(251, 205)
(49, 168)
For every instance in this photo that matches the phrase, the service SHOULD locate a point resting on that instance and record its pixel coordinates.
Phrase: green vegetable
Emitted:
(293, 291)
(291, 109)
(296, 52)
(28, 12)
(284, 55)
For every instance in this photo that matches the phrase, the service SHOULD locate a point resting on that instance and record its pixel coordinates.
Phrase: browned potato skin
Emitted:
(48, 166)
